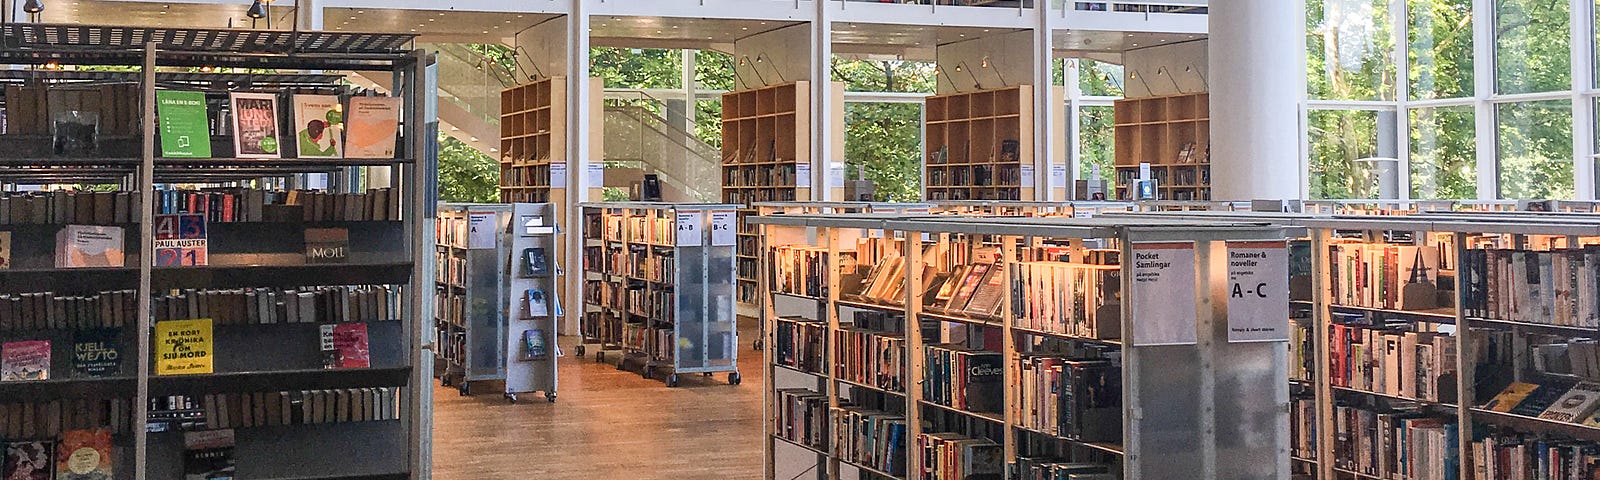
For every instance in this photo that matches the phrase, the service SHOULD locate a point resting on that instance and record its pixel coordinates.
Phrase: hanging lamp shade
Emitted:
(33, 6)
(257, 10)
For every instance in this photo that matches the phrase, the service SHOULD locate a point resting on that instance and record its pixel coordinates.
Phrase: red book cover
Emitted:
(350, 340)
(84, 455)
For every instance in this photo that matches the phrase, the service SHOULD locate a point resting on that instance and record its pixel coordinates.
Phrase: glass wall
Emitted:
(1443, 153)
(1343, 146)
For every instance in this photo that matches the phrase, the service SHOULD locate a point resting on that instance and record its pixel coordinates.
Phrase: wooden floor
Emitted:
(606, 424)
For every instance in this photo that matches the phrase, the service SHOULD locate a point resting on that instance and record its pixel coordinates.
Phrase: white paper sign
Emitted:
(1058, 176)
(558, 175)
(723, 233)
(1258, 291)
(1144, 171)
(481, 230)
(802, 175)
(1026, 172)
(835, 174)
(1163, 294)
(691, 229)
(597, 175)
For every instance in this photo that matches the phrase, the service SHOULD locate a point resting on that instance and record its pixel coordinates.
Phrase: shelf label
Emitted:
(691, 229)
(1258, 292)
(1026, 172)
(723, 233)
(597, 175)
(481, 231)
(558, 175)
(1144, 170)
(1163, 294)
(802, 175)
(835, 174)
(1058, 176)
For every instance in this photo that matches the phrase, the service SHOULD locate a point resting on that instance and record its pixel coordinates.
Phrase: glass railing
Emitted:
(469, 80)
(1194, 7)
(957, 3)
(643, 133)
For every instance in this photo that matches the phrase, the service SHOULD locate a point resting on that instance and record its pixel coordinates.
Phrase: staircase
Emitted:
(644, 135)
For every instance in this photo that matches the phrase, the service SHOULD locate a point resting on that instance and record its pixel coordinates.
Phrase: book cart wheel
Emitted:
(580, 351)
(465, 389)
(705, 374)
(511, 397)
(599, 357)
(550, 397)
(672, 381)
(733, 378)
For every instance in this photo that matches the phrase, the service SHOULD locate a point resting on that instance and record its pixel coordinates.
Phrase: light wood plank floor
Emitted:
(606, 424)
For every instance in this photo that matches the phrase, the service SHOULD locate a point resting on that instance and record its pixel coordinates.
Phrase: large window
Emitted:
(1096, 142)
(1534, 149)
(1099, 78)
(1444, 161)
(1532, 48)
(1440, 48)
(1343, 142)
(1349, 47)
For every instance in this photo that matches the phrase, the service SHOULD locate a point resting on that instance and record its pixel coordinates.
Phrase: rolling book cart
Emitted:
(221, 293)
(495, 307)
(1003, 308)
(659, 286)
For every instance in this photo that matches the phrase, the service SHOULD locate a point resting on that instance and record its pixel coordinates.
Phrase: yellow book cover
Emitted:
(183, 347)
(1510, 397)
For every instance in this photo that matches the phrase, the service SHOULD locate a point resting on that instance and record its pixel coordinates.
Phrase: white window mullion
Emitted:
(1402, 85)
(1483, 83)
(1583, 115)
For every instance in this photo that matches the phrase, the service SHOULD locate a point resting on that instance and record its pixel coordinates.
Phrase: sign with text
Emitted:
(183, 347)
(691, 229)
(802, 176)
(1026, 172)
(482, 231)
(1058, 176)
(1258, 291)
(558, 174)
(723, 231)
(1163, 294)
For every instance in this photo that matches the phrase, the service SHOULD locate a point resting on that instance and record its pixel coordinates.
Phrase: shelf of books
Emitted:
(766, 157)
(495, 311)
(980, 145)
(181, 300)
(658, 285)
(987, 347)
(1166, 139)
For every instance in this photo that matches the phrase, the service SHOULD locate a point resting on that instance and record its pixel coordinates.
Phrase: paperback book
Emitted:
(96, 353)
(535, 304)
(184, 347)
(185, 127)
(345, 345)
(535, 262)
(85, 246)
(25, 360)
(374, 124)
(208, 455)
(29, 460)
(255, 125)
(85, 455)
(319, 126)
(533, 345)
(181, 240)
(327, 245)
(5, 250)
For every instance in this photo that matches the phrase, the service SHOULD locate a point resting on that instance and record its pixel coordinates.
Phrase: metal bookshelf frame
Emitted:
(1167, 432)
(397, 450)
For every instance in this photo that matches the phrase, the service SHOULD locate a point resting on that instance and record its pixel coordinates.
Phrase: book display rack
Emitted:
(211, 314)
(495, 308)
(658, 284)
(1173, 135)
(980, 145)
(766, 157)
(927, 347)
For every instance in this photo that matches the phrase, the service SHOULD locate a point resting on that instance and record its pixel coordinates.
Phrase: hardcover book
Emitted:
(1575, 405)
(29, 460)
(535, 262)
(1541, 399)
(95, 353)
(1510, 397)
(84, 455)
(533, 345)
(184, 347)
(25, 360)
(255, 125)
(5, 250)
(535, 304)
(185, 127)
(374, 124)
(83, 246)
(208, 455)
(345, 345)
(319, 126)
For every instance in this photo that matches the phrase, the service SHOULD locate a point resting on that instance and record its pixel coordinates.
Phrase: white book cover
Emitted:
(318, 126)
(255, 125)
(81, 246)
(372, 127)
(1575, 405)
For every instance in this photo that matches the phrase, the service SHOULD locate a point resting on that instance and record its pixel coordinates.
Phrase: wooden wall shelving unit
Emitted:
(979, 145)
(533, 133)
(1158, 130)
(766, 157)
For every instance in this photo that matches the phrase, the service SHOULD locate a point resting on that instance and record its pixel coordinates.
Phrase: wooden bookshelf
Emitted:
(980, 145)
(766, 157)
(1172, 134)
(533, 134)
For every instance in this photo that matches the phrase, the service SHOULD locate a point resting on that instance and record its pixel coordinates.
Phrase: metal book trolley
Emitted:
(658, 285)
(1201, 390)
(372, 257)
(495, 301)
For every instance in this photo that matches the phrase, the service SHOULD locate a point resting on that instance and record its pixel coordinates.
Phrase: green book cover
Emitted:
(185, 130)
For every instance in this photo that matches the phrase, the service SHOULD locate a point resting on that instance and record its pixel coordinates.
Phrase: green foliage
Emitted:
(1444, 158)
(885, 137)
(465, 174)
(1349, 46)
(1535, 145)
(1099, 78)
(1533, 48)
(1440, 50)
(1338, 139)
(1096, 142)
(637, 68)
(884, 76)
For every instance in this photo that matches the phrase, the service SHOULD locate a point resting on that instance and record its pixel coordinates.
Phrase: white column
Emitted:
(308, 13)
(822, 106)
(1254, 113)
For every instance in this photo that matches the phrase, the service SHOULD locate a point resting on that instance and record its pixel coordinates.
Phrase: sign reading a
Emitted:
(1163, 294)
(482, 231)
(1258, 291)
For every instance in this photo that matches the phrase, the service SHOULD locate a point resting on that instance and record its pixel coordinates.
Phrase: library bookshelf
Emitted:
(1173, 135)
(658, 285)
(857, 348)
(979, 145)
(281, 267)
(766, 157)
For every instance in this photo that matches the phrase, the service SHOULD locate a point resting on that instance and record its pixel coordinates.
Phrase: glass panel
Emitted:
(1440, 48)
(1444, 154)
(1100, 78)
(1349, 46)
(1535, 149)
(1340, 140)
(1532, 52)
(1096, 142)
(885, 139)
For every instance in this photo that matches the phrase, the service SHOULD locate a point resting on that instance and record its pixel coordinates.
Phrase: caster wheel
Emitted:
(511, 398)
(444, 381)
(649, 370)
(734, 379)
(550, 397)
(706, 374)
(672, 381)
(580, 350)
(600, 357)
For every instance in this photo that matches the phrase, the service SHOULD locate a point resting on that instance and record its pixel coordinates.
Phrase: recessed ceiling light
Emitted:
(431, 19)
(413, 29)
(963, 34)
(496, 26)
(485, 31)
(658, 32)
(352, 17)
(361, 11)
(474, 139)
(1135, 44)
(674, 26)
(744, 28)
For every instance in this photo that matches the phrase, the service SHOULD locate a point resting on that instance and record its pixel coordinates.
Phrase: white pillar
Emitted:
(1254, 103)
